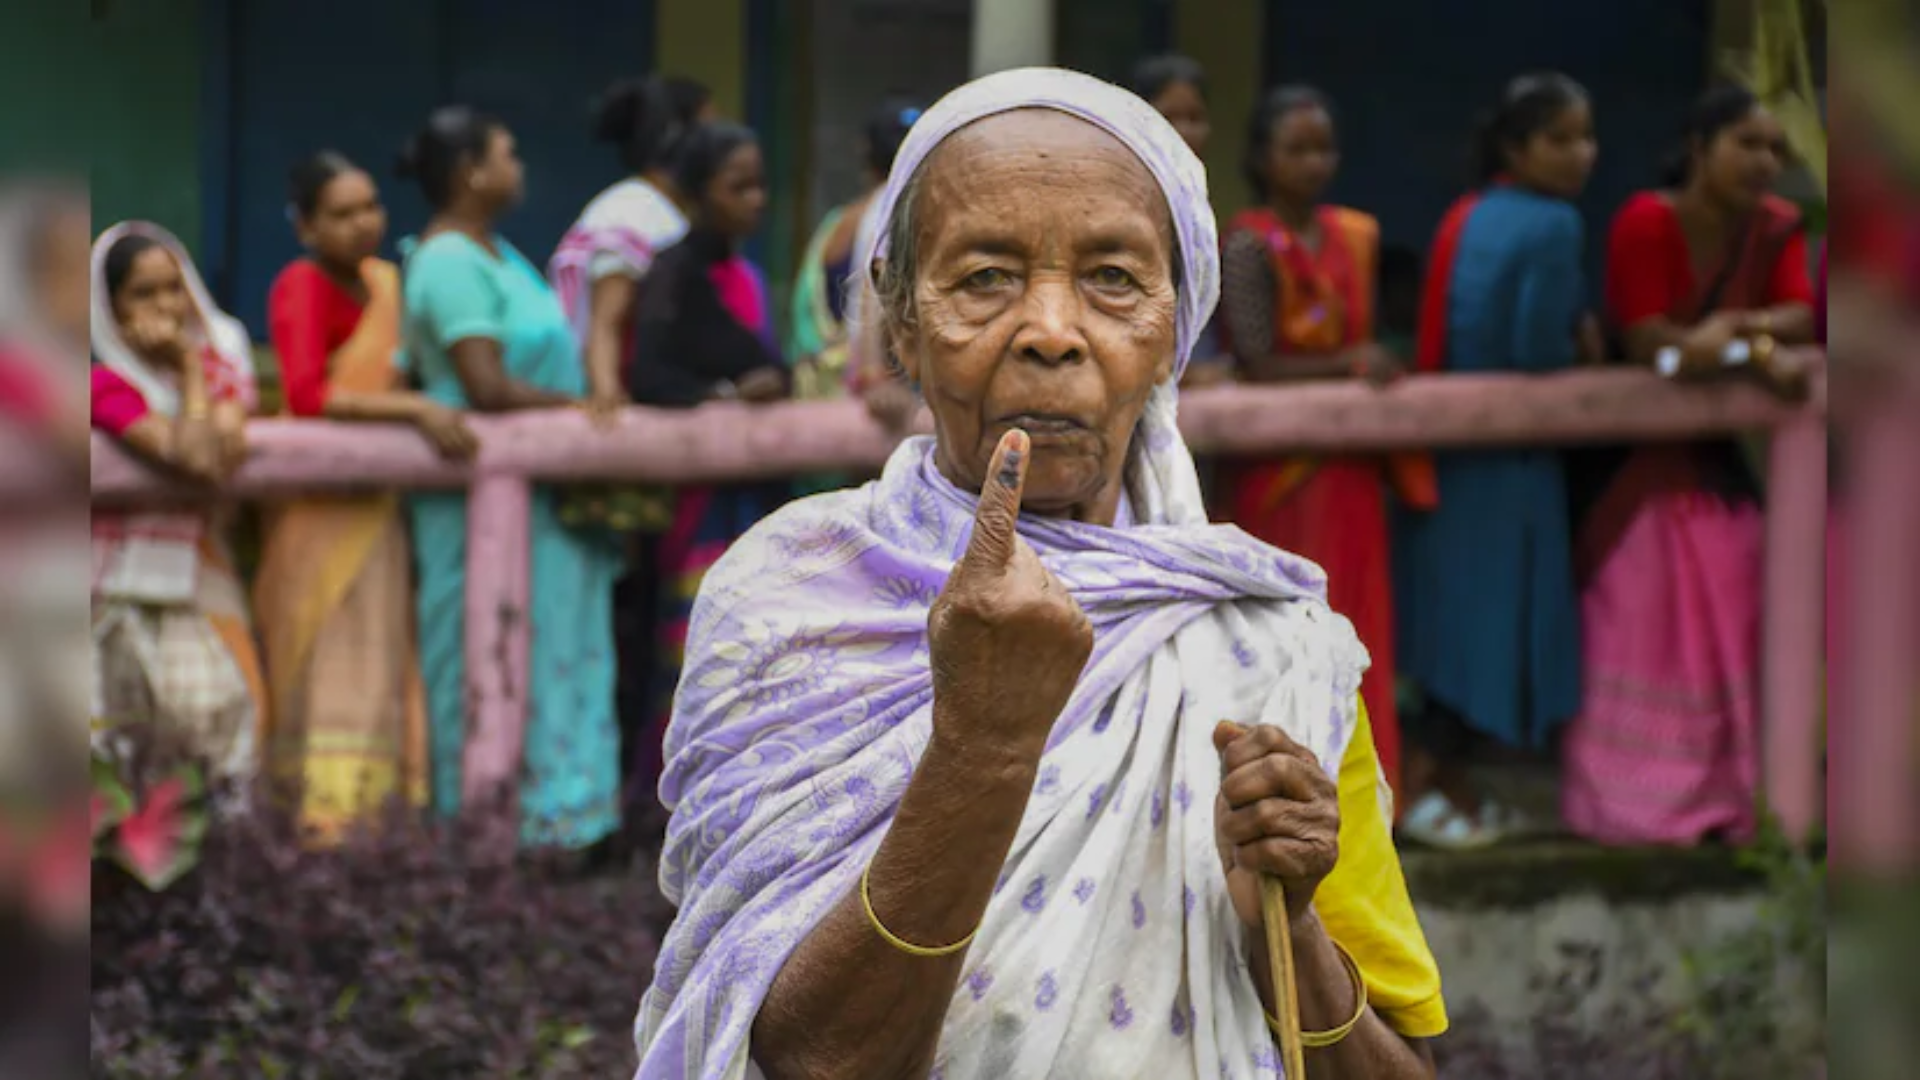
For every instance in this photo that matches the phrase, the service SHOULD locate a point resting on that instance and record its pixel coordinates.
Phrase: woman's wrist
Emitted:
(992, 762)
(603, 383)
(1329, 994)
(195, 404)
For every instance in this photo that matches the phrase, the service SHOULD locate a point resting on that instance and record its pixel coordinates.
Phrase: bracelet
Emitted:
(1320, 1040)
(908, 947)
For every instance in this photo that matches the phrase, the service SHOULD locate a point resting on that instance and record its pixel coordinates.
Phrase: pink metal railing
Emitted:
(732, 441)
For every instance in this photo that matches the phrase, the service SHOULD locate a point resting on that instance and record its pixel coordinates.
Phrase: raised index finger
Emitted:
(992, 543)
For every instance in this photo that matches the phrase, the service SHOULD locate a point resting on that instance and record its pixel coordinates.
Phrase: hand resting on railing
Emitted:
(732, 441)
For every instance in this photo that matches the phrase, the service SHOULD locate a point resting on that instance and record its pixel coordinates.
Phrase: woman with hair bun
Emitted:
(598, 270)
(1496, 654)
(704, 332)
(334, 588)
(483, 330)
(598, 267)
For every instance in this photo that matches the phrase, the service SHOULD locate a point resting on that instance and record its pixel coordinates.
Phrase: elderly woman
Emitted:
(974, 770)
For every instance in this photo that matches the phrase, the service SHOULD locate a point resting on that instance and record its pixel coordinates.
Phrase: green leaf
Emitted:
(344, 1004)
(111, 801)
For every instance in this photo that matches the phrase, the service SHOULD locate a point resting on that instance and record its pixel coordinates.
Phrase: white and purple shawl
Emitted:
(1111, 948)
(619, 232)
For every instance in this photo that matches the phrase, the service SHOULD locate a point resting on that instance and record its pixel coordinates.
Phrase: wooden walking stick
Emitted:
(1286, 997)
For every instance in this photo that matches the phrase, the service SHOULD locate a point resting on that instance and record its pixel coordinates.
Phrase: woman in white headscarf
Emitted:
(173, 382)
(974, 770)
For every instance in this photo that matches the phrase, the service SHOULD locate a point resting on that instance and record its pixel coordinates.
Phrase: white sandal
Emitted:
(1510, 822)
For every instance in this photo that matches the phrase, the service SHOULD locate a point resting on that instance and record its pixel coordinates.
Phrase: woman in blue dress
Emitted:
(1489, 626)
(484, 331)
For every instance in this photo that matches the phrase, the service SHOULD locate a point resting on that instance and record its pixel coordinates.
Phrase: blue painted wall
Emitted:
(1407, 87)
(289, 78)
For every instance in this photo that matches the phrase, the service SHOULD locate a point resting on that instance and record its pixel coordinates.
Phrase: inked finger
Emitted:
(995, 523)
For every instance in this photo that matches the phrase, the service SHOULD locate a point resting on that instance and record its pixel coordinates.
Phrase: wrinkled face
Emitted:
(1744, 160)
(154, 288)
(737, 195)
(348, 222)
(1558, 158)
(1043, 299)
(1302, 156)
(1186, 110)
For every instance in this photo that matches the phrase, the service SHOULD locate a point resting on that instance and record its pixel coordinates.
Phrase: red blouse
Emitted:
(308, 316)
(1650, 271)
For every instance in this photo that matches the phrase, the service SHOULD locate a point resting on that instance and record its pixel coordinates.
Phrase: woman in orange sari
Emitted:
(333, 595)
(1297, 293)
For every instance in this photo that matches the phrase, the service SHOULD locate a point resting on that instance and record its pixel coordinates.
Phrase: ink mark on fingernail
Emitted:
(1010, 468)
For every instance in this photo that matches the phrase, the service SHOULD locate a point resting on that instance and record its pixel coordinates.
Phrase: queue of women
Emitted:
(974, 768)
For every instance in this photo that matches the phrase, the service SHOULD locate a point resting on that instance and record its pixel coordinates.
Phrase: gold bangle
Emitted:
(908, 947)
(1320, 1040)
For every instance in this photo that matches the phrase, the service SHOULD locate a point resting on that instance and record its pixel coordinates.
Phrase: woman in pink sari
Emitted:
(1708, 278)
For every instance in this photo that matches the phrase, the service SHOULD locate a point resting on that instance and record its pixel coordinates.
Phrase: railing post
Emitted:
(1874, 747)
(497, 635)
(1794, 626)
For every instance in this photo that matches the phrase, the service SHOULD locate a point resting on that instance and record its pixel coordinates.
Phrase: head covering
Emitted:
(806, 701)
(1162, 484)
(151, 557)
(225, 347)
(1120, 113)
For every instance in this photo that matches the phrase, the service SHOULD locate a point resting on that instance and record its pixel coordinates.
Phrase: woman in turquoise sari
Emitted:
(484, 331)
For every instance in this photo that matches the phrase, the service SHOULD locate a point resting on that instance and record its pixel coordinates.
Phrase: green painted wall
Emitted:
(43, 61)
(147, 127)
(117, 95)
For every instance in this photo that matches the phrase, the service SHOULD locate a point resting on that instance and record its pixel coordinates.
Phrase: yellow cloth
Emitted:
(334, 605)
(1365, 907)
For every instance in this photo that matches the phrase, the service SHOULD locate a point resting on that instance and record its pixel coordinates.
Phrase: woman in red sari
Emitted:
(1708, 278)
(1297, 294)
(333, 595)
